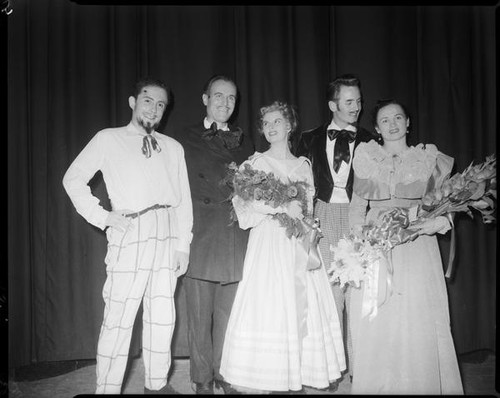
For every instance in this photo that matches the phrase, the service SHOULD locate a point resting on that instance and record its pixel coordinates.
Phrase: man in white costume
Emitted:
(149, 232)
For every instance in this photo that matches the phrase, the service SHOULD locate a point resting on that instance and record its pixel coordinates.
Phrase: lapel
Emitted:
(320, 145)
(215, 145)
(324, 160)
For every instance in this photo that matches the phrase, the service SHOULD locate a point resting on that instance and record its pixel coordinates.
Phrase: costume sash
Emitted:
(307, 258)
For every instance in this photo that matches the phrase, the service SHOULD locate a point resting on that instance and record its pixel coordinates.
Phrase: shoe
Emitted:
(334, 386)
(206, 388)
(166, 390)
(227, 387)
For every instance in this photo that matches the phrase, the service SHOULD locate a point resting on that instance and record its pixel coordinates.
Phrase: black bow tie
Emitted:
(147, 142)
(333, 134)
(231, 138)
(341, 150)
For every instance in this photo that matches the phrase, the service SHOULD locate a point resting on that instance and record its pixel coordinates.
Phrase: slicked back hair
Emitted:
(333, 89)
(213, 79)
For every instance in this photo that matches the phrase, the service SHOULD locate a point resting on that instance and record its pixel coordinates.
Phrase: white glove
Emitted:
(294, 210)
(439, 225)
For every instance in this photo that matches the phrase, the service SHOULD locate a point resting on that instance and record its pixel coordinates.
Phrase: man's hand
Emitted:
(116, 219)
(181, 261)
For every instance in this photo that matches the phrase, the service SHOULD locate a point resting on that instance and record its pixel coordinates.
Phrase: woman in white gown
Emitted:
(283, 332)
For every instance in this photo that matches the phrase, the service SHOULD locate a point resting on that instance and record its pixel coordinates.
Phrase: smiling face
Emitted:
(347, 107)
(392, 123)
(275, 127)
(148, 107)
(220, 101)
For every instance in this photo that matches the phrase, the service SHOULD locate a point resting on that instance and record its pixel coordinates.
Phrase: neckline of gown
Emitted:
(282, 162)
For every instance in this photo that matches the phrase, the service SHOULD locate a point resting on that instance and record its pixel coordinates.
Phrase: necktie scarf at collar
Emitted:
(341, 150)
(149, 142)
(231, 138)
(333, 134)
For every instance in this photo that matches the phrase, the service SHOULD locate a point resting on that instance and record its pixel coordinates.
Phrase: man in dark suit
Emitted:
(330, 148)
(218, 247)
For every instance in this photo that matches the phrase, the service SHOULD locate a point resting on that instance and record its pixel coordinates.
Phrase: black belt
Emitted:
(140, 213)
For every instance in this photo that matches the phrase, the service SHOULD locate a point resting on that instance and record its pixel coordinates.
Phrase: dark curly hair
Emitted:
(150, 81)
(382, 103)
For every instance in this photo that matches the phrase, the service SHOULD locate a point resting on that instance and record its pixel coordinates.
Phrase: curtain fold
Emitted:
(71, 68)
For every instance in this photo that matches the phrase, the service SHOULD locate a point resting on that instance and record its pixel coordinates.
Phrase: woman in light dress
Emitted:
(406, 346)
(283, 332)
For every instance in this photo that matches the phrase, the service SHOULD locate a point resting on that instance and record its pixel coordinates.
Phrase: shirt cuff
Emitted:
(99, 217)
(183, 245)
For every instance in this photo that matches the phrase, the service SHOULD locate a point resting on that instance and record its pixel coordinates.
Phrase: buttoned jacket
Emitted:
(219, 244)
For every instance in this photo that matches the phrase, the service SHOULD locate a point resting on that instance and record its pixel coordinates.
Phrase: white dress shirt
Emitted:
(133, 181)
(339, 194)
(207, 125)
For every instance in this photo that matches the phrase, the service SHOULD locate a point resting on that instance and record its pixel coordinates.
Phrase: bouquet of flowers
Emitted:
(353, 259)
(474, 188)
(252, 184)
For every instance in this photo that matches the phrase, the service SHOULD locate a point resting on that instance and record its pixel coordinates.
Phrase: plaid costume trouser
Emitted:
(334, 223)
(138, 267)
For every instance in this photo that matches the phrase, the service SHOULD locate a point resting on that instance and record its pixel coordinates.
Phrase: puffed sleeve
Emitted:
(441, 172)
(372, 175)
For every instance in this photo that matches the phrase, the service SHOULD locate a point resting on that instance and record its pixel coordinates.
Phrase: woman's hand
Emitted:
(294, 210)
(439, 224)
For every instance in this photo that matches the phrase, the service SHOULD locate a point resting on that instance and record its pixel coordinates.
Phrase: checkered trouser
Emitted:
(334, 223)
(138, 267)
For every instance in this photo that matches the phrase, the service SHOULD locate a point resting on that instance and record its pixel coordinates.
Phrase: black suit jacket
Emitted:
(218, 247)
(312, 144)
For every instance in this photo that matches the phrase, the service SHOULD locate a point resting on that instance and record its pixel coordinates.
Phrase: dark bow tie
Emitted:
(231, 138)
(147, 142)
(333, 134)
(341, 150)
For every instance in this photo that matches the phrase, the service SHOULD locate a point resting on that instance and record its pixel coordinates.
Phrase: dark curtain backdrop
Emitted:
(70, 70)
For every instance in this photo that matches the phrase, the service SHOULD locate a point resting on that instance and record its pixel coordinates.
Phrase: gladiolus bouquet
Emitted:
(474, 188)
